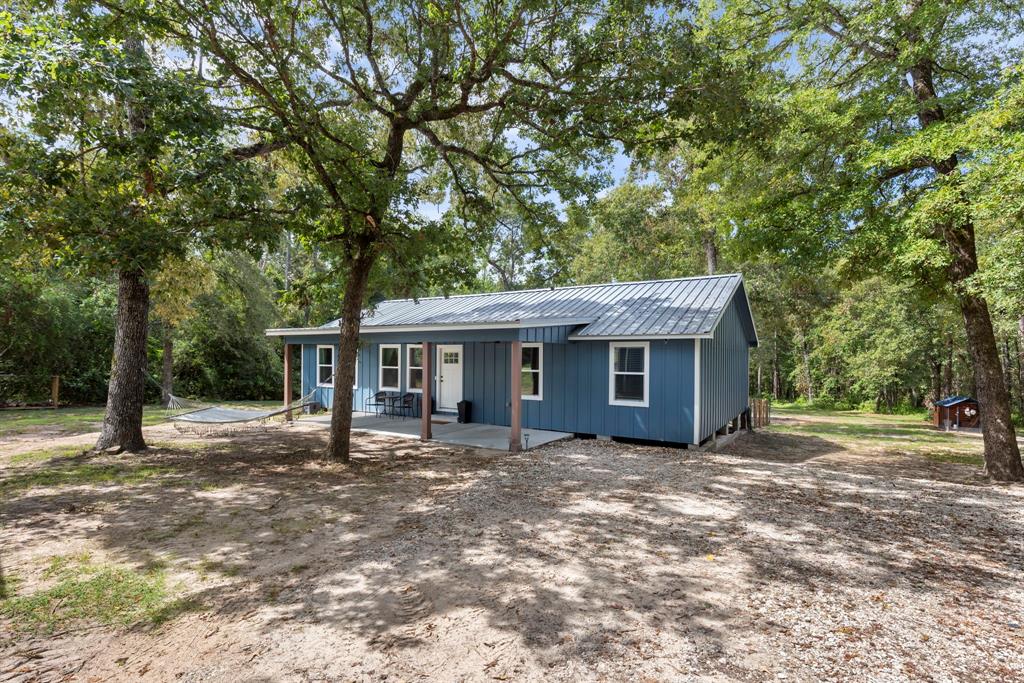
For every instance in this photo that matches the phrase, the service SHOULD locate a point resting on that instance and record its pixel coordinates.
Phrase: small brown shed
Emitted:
(956, 412)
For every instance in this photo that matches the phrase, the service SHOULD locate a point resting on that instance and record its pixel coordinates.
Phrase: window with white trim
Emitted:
(325, 366)
(629, 373)
(390, 369)
(533, 372)
(414, 368)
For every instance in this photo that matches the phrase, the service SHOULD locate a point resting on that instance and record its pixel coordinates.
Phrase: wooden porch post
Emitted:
(287, 380)
(515, 437)
(425, 397)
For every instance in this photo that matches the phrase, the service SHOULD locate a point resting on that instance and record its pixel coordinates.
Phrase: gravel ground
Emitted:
(784, 557)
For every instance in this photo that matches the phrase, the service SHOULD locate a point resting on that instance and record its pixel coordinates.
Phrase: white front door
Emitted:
(449, 376)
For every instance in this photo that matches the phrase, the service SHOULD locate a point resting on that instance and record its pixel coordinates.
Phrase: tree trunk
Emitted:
(1008, 371)
(710, 251)
(1019, 342)
(288, 261)
(936, 379)
(947, 380)
(344, 374)
(1002, 456)
(776, 379)
(122, 422)
(807, 367)
(167, 362)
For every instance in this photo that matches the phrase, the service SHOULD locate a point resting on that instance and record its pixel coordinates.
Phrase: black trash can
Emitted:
(464, 411)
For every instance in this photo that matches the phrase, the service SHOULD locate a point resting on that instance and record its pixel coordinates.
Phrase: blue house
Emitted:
(662, 360)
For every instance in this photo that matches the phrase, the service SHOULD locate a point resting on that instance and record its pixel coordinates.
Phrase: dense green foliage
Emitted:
(273, 163)
(54, 326)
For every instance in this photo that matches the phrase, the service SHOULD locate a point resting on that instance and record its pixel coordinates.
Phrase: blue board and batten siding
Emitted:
(576, 376)
(725, 371)
(575, 386)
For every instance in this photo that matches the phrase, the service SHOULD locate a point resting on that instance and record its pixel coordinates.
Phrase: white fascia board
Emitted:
(696, 393)
(381, 329)
(635, 337)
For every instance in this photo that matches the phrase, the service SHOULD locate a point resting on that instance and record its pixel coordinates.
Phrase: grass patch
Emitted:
(78, 475)
(8, 585)
(64, 420)
(46, 454)
(207, 566)
(905, 434)
(84, 592)
(955, 458)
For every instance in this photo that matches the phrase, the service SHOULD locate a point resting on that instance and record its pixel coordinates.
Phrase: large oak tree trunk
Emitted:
(344, 375)
(122, 422)
(1002, 456)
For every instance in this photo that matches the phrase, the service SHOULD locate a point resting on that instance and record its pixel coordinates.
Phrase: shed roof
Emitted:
(681, 307)
(954, 400)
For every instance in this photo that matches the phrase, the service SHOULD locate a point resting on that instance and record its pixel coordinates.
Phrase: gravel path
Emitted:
(779, 558)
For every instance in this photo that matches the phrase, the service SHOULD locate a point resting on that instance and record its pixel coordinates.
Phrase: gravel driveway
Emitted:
(785, 557)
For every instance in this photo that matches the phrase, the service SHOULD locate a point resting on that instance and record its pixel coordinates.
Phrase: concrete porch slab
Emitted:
(446, 429)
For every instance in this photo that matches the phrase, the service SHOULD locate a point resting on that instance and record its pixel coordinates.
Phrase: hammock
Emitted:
(203, 418)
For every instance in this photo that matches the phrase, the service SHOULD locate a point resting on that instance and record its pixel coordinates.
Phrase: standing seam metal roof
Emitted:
(683, 306)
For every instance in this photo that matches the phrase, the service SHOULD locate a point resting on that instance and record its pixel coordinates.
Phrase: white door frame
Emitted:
(462, 375)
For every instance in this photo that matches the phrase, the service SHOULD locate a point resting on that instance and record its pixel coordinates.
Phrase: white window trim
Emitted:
(380, 367)
(540, 374)
(334, 365)
(646, 346)
(409, 367)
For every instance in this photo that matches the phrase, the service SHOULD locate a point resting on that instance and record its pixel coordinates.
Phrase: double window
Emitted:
(414, 368)
(629, 373)
(390, 368)
(325, 366)
(533, 372)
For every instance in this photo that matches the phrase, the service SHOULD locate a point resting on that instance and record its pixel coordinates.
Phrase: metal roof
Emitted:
(954, 400)
(682, 307)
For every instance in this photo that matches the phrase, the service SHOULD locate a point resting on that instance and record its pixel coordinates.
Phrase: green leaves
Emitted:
(115, 160)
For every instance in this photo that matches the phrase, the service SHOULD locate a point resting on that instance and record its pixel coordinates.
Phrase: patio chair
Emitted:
(405, 406)
(378, 403)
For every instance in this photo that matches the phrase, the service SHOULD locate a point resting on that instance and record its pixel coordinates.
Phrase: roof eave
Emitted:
(445, 327)
(635, 337)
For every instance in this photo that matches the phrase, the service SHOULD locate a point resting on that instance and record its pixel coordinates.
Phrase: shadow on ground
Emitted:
(580, 552)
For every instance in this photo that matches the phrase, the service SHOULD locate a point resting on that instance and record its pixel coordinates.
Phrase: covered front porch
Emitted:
(441, 368)
(445, 429)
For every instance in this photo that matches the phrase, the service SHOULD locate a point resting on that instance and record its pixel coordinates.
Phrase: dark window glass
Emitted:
(629, 387)
(531, 371)
(389, 377)
(325, 365)
(389, 357)
(531, 383)
(629, 359)
(415, 378)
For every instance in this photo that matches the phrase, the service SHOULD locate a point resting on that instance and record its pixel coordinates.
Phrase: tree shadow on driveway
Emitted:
(577, 559)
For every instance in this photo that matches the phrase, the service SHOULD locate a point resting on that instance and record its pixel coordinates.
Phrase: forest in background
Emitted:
(174, 178)
(827, 339)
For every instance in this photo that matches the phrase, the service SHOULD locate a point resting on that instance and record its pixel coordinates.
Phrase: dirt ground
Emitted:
(788, 556)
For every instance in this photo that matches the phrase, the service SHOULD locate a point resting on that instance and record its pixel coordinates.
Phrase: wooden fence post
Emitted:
(55, 391)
